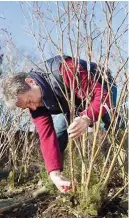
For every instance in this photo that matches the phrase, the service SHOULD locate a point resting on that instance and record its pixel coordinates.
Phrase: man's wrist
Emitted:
(90, 122)
(54, 173)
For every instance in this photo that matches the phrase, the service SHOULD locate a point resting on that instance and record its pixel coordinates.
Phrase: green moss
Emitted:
(93, 199)
(11, 178)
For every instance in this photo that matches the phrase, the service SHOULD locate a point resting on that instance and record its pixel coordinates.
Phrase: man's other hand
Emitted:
(63, 184)
(78, 126)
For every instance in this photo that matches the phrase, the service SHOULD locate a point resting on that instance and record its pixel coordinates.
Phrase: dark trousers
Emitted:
(60, 126)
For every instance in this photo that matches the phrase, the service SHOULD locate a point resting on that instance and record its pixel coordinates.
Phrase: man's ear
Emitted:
(30, 82)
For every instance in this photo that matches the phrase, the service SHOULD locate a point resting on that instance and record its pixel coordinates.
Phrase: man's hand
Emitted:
(78, 127)
(61, 182)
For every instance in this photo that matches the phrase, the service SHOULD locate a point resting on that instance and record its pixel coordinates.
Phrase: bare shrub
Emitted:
(88, 30)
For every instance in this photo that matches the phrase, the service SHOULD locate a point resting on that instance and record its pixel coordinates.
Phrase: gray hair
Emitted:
(12, 86)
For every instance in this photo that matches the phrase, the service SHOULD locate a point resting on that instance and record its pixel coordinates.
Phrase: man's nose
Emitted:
(32, 107)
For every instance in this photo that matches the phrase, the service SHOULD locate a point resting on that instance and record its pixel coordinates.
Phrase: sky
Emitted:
(12, 19)
(15, 23)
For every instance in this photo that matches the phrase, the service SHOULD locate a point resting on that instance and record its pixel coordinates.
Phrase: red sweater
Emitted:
(44, 125)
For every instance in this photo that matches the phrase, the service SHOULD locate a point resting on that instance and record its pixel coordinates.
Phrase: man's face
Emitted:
(32, 98)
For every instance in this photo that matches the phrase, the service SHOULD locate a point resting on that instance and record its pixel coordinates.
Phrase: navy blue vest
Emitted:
(50, 80)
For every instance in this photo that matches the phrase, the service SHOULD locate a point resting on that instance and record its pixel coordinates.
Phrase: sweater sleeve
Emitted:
(79, 83)
(48, 141)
